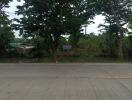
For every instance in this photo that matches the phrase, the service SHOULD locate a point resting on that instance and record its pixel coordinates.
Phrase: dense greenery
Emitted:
(102, 46)
(50, 19)
(50, 26)
(117, 14)
(6, 34)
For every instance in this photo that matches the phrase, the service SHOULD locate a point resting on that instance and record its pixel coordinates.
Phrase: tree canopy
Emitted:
(52, 18)
(117, 13)
(47, 23)
(6, 34)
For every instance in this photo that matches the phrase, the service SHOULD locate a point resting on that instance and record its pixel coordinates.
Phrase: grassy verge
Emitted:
(66, 59)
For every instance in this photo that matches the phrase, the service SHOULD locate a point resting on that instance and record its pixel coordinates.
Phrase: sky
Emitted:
(90, 29)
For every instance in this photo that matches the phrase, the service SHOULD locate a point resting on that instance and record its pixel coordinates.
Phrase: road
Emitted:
(66, 81)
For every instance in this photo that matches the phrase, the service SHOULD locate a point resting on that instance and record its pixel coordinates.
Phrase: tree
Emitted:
(91, 45)
(3, 4)
(52, 18)
(117, 12)
(6, 34)
(130, 23)
(110, 36)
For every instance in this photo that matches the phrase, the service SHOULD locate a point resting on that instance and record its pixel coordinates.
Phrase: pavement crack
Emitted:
(125, 87)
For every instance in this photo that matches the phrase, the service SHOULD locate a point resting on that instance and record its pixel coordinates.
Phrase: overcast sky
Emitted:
(91, 28)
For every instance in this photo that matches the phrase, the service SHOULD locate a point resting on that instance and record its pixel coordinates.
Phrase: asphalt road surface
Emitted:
(66, 81)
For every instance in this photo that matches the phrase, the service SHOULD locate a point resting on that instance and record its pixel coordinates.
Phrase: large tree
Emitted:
(117, 13)
(52, 18)
(6, 34)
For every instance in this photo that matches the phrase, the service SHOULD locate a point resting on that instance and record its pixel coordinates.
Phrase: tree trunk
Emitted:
(55, 45)
(55, 58)
(120, 32)
(120, 47)
(120, 41)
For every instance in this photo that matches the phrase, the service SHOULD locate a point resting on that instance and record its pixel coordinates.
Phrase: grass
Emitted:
(66, 59)
(85, 59)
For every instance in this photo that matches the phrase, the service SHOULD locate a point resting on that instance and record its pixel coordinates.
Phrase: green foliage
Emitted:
(128, 45)
(110, 44)
(4, 3)
(117, 13)
(41, 47)
(6, 34)
(63, 41)
(18, 40)
(130, 23)
(52, 18)
(90, 45)
(74, 39)
(44, 22)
